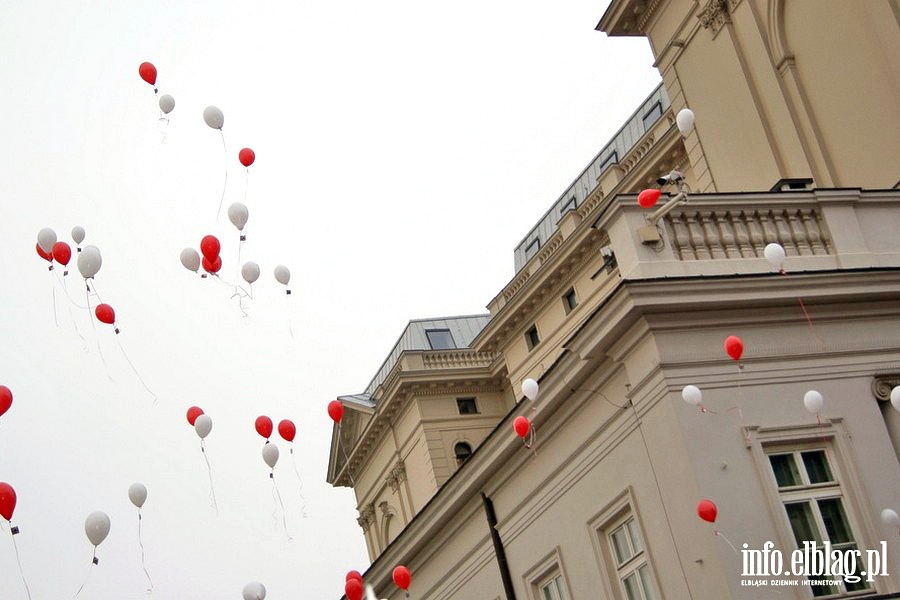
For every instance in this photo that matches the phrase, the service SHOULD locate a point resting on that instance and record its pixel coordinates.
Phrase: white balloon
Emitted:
(96, 526)
(46, 239)
(685, 120)
(282, 274)
(137, 493)
(270, 455)
(166, 103)
(775, 255)
(813, 401)
(692, 394)
(238, 215)
(895, 397)
(213, 117)
(530, 388)
(250, 272)
(190, 258)
(89, 261)
(78, 234)
(254, 591)
(890, 517)
(203, 425)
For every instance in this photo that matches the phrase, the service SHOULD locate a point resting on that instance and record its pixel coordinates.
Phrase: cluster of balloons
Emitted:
(148, 73)
(521, 424)
(264, 427)
(50, 249)
(354, 587)
(201, 422)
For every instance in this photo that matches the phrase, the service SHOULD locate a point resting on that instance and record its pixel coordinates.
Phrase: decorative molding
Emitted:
(457, 359)
(882, 386)
(647, 14)
(366, 517)
(635, 156)
(715, 15)
(396, 476)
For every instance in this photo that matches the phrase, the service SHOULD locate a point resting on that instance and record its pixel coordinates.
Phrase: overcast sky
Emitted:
(403, 150)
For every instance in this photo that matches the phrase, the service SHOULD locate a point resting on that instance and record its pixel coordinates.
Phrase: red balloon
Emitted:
(264, 426)
(210, 247)
(648, 198)
(247, 156)
(402, 577)
(336, 410)
(62, 253)
(192, 414)
(353, 589)
(287, 430)
(212, 266)
(7, 501)
(42, 254)
(5, 399)
(148, 73)
(105, 314)
(706, 510)
(521, 425)
(354, 575)
(734, 347)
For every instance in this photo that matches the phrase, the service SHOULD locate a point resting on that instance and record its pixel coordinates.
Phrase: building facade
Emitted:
(614, 309)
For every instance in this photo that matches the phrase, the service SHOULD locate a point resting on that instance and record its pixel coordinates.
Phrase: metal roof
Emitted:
(614, 151)
(463, 329)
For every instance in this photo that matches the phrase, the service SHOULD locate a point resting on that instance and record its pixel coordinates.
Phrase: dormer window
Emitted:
(532, 248)
(440, 339)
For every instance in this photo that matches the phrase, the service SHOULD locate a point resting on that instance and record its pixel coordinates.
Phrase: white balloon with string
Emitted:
(46, 238)
(775, 254)
(203, 426)
(530, 389)
(214, 118)
(137, 493)
(78, 235)
(96, 527)
(685, 121)
(254, 591)
(166, 103)
(270, 456)
(190, 259)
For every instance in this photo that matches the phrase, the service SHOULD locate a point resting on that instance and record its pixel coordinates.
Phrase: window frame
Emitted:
(655, 106)
(459, 462)
(441, 330)
(459, 405)
(567, 304)
(529, 254)
(571, 204)
(550, 568)
(532, 341)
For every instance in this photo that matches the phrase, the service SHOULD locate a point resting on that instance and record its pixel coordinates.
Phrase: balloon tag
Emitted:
(203, 276)
(14, 530)
(96, 561)
(288, 292)
(117, 331)
(243, 238)
(50, 268)
(65, 273)
(272, 475)
(79, 249)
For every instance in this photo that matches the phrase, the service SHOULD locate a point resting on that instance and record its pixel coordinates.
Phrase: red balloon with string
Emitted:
(706, 510)
(734, 347)
(210, 248)
(264, 426)
(62, 253)
(5, 399)
(247, 156)
(7, 501)
(353, 589)
(42, 254)
(148, 72)
(105, 314)
(213, 266)
(336, 410)
(402, 577)
(521, 426)
(648, 198)
(287, 430)
(192, 414)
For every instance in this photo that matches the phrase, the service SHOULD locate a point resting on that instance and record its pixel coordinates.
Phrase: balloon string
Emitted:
(346, 458)
(86, 579)
(276, 494)
(246, 183)
(602, 395)
(71, 300)
(212, 491)
(21, 572)
(138, 375)
(141, 544)
(225, 184)
(809, 322)
(55, 316)
(727, 541)
(300, 481)
(94, 327)
(71, 316)
(288, 310)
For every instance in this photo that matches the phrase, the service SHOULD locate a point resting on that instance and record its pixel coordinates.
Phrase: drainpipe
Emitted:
(498, 548)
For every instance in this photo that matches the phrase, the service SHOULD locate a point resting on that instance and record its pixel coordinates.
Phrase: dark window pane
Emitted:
(802, 523)
(532, 248)
(570, 300)
(785, 468)
(817, 466)
(440, 339)
(835, 521)
(462, 451)
(631, 587)
(531, 336)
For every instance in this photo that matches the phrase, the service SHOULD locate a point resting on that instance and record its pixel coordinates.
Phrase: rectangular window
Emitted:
(547, 579)
(467, 406)
(531, 337)
(553, 588)
(814, 505)
(652, 115)
(628, 554)
(440, 339)
(570, 205)
(532, 248)
(570, 300)
(611, 159)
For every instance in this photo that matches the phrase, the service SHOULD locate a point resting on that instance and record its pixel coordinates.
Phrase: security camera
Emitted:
(673, 177)
(606, 251)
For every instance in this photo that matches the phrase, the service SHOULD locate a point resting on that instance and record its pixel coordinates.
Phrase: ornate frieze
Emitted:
(396, 476)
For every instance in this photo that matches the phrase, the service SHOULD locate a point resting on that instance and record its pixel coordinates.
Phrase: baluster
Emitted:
(822, 224)
(799, 233)
(712, 235)
(784, 234)
(697, 241)
(741, 235)
(680, 235)
(812, 231)
(757, 236)
(726, 233)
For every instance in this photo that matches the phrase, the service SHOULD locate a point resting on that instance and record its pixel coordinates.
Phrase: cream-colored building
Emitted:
(614, 309)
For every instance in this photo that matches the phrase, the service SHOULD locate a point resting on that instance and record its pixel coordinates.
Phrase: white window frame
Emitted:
(832, 436)
(546, 571)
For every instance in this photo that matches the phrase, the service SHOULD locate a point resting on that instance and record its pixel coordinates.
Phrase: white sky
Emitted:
(403, 150)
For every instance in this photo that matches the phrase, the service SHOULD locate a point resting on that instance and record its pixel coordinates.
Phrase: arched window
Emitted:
(463, 451)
